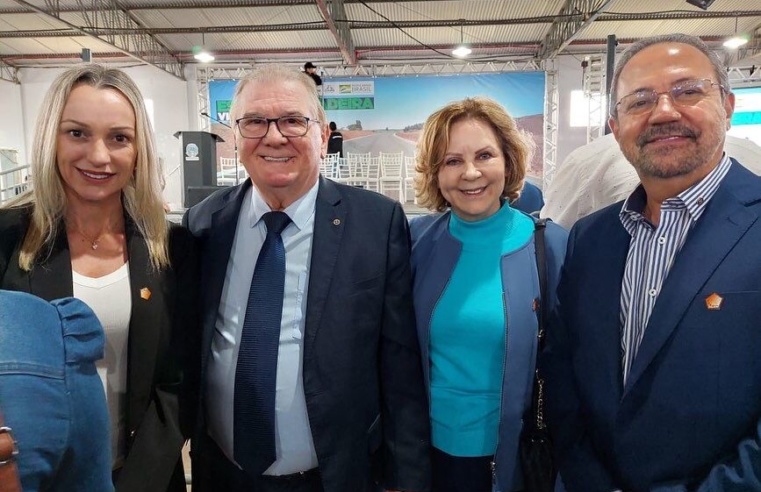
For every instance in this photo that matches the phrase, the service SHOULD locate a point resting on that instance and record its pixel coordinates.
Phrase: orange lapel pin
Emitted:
(145, 293)
(714, 301)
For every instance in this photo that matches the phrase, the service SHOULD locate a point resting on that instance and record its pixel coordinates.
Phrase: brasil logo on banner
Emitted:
(348, 95)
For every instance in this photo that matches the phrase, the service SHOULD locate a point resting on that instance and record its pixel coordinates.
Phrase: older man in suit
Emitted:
(312, 378)
(652, 363)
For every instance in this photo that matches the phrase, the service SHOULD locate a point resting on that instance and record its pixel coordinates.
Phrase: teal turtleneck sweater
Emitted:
(467, 345)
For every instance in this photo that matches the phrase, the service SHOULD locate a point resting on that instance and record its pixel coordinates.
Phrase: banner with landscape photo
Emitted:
(386, 114)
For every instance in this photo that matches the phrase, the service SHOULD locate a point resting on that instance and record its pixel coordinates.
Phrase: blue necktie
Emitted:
(255, 374)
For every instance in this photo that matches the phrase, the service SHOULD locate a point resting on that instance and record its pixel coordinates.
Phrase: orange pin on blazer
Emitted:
(714, 301)
(145, 293)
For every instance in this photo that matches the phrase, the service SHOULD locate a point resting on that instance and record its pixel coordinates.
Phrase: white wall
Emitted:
(20, 106)
(569, 79)
(170, 102)
(12, 121)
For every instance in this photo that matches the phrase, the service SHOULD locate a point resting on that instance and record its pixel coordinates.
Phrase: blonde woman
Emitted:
(94, 228)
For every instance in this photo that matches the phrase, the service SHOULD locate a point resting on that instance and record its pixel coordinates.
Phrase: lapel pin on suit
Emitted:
(336, 222)
(714, 301)
(145, 293)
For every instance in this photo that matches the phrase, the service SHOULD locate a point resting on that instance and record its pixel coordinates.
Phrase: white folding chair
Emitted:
(391, 173)
(226, 172)
(373, 172)
(409, 177)
(329, 165)
(357, 165)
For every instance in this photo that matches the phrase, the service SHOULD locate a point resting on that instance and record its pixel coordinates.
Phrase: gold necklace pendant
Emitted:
(94, 243)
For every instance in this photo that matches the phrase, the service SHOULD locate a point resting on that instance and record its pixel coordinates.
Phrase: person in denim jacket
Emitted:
(51, 395)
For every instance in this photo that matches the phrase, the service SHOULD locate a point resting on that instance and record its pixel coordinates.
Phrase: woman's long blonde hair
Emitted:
(141, 196)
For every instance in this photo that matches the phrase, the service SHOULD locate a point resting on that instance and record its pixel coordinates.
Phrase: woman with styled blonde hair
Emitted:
(476, 292)
(93, 227)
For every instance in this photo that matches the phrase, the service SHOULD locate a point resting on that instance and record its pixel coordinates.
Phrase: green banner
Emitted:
(223, 110)
(348, 103)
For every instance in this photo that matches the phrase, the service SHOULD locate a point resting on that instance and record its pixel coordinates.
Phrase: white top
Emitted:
(597, 174)
(109, 297)
(294, 446)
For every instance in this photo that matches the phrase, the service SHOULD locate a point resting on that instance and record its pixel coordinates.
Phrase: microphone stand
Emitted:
(235, 142)
(320, 89)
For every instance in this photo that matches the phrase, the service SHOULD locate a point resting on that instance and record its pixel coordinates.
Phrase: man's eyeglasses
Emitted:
(683, 94)
(288, 126)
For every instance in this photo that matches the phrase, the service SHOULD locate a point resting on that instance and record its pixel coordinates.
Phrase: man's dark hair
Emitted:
(332, 126)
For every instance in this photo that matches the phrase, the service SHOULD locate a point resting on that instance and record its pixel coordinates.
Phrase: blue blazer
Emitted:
(362, 373)
(688, 416)
(435, 253)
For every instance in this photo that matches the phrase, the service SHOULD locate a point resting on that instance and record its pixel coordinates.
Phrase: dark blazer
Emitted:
(531, 199)
(161, 334)
(362, 372)
(688, 417)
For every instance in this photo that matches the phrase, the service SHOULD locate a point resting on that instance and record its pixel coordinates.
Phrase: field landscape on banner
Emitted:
(386, 114)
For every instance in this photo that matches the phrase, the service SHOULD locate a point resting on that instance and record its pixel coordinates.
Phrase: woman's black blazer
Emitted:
(162, 344)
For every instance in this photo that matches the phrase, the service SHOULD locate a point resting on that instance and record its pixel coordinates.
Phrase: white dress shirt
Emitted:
(293, 437)
(653, 250)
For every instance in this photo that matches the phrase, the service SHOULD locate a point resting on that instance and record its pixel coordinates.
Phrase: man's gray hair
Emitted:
(279, 74)
(718, 67)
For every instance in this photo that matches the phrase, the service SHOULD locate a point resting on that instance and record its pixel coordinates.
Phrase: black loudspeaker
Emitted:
(196, 194)
(703, 4)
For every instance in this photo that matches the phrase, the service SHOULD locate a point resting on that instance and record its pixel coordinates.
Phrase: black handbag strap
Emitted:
(537, 400)
(541, 268)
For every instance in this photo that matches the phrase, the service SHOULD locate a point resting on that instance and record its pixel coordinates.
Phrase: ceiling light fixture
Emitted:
(737, 40)
(200, 53)
(461, 51)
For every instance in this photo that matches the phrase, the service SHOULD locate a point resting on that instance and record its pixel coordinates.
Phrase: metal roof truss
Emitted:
(123, 31)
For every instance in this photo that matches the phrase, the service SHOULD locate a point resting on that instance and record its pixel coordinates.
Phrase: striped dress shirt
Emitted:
(652, 251)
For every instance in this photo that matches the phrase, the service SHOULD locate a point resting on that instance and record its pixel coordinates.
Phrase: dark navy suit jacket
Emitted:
(362, 372)
(531, 199)
(688, 416)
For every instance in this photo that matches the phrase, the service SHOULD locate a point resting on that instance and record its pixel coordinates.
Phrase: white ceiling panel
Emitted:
(238, 31)
(26, 22)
